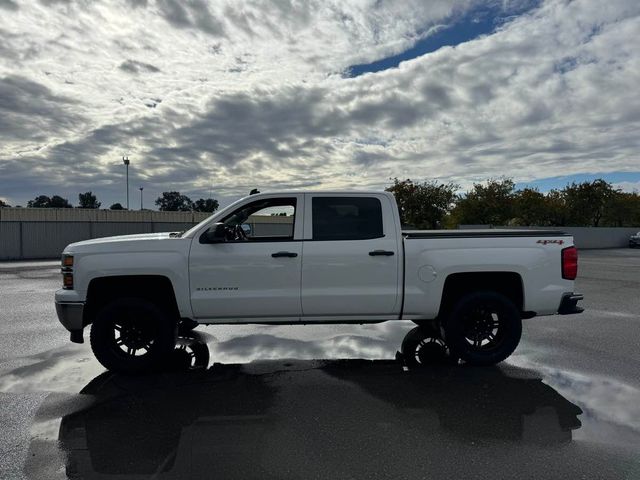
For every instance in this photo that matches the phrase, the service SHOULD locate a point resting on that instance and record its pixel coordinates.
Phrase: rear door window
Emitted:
(346, 218)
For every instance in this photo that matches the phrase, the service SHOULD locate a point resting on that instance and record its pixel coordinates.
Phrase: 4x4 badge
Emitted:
(546, 242)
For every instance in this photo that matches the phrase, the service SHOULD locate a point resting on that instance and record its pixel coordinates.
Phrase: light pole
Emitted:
(126, 163)
(141, 188)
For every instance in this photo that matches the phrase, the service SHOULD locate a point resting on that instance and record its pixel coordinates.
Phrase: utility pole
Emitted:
(141, 188)
(126, 163)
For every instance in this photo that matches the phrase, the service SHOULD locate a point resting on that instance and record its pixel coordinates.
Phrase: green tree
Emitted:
(59, 202)
(556, 208)
(116, 206)
(88, 200)
(529, 208)
(43, 201)
(209, 205)
(174, 202)
(623, 210)
(587, 202)
(423, 205)
(486, 204)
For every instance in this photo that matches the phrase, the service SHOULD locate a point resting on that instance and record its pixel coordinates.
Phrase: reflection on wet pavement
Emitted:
(238, 420)
(611, 407)
(253, 414)
(335, 418)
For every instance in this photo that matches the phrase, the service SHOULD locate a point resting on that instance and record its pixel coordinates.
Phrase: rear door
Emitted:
(351, 257)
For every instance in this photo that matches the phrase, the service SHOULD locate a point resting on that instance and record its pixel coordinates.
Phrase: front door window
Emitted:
(264, 220)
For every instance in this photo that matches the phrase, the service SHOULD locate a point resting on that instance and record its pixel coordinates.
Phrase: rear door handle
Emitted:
(284, 254)
(385, 253)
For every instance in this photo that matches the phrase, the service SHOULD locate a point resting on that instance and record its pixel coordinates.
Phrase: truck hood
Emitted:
(96, 243)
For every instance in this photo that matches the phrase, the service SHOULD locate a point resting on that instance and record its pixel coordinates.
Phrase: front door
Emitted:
(351, 260)
(255, 274)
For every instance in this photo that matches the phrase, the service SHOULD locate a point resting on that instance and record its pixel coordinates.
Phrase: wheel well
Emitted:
(456, 285)
(155, 288)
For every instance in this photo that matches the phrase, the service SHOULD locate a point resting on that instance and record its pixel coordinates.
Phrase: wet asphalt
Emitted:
(326, 401)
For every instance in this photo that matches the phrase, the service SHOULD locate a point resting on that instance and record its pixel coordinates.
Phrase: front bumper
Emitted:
(70, 315)
(569, 304)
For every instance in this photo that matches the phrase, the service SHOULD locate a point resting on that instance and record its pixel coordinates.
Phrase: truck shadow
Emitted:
(267, 418)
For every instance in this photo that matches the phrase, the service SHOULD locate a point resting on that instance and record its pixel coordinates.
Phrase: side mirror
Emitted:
(215, 234)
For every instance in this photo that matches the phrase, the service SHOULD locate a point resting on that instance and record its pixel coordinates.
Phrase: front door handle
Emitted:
(284, 254)
(385, 253)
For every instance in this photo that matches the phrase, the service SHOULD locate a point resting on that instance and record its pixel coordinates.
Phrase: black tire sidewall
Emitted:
(509, 317)
(101, 337)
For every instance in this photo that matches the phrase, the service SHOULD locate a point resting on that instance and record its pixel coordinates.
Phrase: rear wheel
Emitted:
(132, 335)
(483, 328)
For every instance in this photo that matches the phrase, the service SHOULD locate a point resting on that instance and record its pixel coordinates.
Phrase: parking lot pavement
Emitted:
(295, 401)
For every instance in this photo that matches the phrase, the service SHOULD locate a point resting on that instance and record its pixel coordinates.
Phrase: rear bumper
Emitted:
(569, 304)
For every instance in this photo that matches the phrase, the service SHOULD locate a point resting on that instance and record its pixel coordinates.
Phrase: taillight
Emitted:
(570, 263)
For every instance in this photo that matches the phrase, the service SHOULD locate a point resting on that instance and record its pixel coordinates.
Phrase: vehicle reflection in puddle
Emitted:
(301, 418)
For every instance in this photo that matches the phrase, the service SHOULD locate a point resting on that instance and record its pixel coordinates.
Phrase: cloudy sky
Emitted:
(226, 96)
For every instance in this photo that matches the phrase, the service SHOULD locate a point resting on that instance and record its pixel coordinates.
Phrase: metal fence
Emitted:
(43, 233)
(33, 233)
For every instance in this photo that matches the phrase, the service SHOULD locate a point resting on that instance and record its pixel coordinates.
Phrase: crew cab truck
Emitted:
(302, 258)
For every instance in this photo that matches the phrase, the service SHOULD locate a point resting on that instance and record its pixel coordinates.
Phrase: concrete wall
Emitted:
(265, 226)
(95, 215)
(592, 237)
(31, 233)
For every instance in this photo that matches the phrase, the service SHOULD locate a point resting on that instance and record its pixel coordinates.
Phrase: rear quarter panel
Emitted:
(430, 261)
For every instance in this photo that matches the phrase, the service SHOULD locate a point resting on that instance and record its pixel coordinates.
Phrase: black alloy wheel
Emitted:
(132, 335)
(483, 328)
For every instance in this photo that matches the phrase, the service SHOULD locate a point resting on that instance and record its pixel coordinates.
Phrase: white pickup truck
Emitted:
(320, 257)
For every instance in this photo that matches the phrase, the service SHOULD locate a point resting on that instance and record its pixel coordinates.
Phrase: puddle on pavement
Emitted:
(265, 405)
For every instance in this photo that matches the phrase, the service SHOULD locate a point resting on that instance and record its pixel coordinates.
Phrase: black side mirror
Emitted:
(215, 234)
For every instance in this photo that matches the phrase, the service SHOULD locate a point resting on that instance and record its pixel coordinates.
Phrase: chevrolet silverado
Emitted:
(314, 257)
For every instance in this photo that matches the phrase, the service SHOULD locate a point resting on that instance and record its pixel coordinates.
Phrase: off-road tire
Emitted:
(122, 325)
(469, 324)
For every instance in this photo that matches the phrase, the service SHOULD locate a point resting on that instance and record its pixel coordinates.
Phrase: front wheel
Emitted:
(132, 335)
(483, 328)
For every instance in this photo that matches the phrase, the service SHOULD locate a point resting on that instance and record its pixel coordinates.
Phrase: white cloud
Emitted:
(627, 186)
(246, 94)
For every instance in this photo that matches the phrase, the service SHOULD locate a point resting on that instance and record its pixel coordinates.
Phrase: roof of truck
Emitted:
(323, 192)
